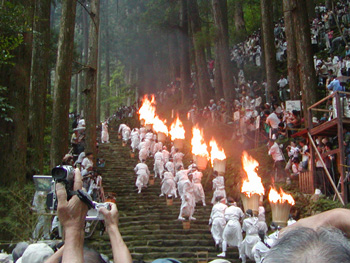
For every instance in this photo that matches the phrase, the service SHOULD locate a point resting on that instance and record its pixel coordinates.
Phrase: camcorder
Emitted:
(65, 174)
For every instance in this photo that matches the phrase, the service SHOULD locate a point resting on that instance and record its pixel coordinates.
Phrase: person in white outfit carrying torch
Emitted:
(217, 220)
(232, 235)
(143, 173)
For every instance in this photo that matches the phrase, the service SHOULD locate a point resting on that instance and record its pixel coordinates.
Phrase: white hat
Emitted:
(37, 253)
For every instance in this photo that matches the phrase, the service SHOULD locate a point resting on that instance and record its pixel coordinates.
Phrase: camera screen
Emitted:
(42, 182)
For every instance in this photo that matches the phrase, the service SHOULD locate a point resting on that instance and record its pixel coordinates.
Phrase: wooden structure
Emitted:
(338, 120)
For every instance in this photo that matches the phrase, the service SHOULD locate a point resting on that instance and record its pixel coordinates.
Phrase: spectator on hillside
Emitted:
(277, 156)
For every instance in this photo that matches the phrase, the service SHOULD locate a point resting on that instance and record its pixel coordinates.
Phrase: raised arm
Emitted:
(121, 253)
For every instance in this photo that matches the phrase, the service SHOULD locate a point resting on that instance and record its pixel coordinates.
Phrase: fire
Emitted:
(215, 153)
(147, 111)
(282, 197)
(177, 130)
(199, 147)
(159, 126)
(253, 184)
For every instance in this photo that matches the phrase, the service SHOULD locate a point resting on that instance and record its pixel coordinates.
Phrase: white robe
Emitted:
(259, 251)
(158, 165)
(126, 134)
(180, 178)
(168, 185)
(104, 133)
(170, 167)
(178, 159)
(233, 232)
(250, 226)
(197, 186)
(219, 188)
(187, 200)
(135, 140)
(143, 132)
(166, 156)
(218, 222)
(121, 128)
(143, 173)
(157, 147)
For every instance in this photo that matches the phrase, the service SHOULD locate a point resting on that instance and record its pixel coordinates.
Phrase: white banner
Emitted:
(293, 105)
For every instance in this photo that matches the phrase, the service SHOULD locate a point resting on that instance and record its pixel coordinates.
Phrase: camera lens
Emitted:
(59, 173)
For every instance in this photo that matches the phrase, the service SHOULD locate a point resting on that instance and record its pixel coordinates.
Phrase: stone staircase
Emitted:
(148, 225)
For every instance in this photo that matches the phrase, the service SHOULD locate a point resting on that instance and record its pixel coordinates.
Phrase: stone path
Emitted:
(149, 227)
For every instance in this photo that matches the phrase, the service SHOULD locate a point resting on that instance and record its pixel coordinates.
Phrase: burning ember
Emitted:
(281, 197)
(177, 130)
(147, 111)
(215, 153)
(159, 126)
(253, 184)
(199, 147)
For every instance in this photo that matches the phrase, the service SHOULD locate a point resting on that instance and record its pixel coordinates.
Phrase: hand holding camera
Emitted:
(71, 213)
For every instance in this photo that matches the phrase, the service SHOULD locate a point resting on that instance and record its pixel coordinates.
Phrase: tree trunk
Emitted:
(205, 89)
(269, 45)
(60, 118)
(305, 59)
(220, 18)
(108, 77)
(292, 60)
(185, 70)
(38, 85)
(85, 16)
(219, 92)
(311, 9)
(91, 79)
(328, 4)
(239, 17)
(173, 54)
(98, 86)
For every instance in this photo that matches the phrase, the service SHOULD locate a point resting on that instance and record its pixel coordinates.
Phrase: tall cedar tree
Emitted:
(292, 60)
(38, 84)
(221, 24)
(60, 118)
(91, 79)
(204, 86)
(269, 44)
(305, 57)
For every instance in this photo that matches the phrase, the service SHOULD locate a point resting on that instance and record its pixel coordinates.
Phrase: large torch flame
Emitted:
(159, 126)
(147, 111)
(177, 130)
(281, 197)
(199, 147)
(252, 185)
(215, 153)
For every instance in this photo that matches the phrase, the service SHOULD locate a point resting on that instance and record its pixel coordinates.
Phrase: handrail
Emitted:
(326, 98)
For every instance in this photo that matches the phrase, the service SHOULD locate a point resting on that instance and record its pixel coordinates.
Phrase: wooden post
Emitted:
(325, 169)
(341, 145)
(312, 150)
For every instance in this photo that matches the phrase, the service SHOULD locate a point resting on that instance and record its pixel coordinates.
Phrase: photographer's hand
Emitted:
(72, 215)
(121, 253)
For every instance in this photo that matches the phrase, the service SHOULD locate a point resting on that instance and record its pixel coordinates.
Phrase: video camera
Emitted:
(65, 174)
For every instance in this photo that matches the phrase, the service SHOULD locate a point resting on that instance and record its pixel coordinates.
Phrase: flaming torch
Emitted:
(177, 133)
(147, 112)
(160, 128)
(199, 148)
(252, 187)
(281, 204)
(217, 157)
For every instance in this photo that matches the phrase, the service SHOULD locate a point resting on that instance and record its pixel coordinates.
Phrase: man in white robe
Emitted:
(143, 132)
(126, 134)
(168, 185)
(143, 173)
(166, 154)
(217, 220)
(180, 178)
(218, 186)
(232, 235)
(135, 139)
(158, 165)
(104, 133)
(188, 203)
(250, 226)
(121, 128)
(197, 185)
(170, 166)
(178, 156)
(157, 146)
(143, 153)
